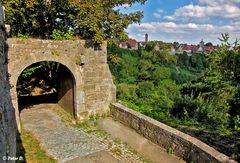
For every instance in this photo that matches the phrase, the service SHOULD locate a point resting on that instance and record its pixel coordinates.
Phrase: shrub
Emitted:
(127, 91)
(185, 107)
(23, 36)
(58, 35)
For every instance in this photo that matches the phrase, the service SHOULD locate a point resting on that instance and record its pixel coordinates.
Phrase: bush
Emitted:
(126, 92)
(185, 108)
(58, 35)
(25, 36)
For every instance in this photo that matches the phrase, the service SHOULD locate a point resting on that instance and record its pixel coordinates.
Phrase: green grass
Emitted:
(29, 148)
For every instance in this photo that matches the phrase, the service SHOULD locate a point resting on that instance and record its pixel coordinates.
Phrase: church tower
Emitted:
(146, 38)
(201, 44)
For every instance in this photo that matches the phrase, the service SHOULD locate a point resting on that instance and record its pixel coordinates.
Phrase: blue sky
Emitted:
(186, 21)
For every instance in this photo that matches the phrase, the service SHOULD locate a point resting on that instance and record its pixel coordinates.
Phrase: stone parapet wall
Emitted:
(183, 145)
(7, 117)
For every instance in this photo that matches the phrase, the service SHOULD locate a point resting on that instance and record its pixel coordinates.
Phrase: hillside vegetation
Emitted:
(150, 81)
(198, 94)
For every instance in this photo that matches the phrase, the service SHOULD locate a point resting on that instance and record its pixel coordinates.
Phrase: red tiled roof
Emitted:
(194, 48)
(130, 42)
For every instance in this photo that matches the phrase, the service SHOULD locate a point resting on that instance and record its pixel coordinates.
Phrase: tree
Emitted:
(91, 19)
(209, 44)
(176, 45)
(164, 46)
(216, 91)
(150, 46)
(38, 18)
(183, 59)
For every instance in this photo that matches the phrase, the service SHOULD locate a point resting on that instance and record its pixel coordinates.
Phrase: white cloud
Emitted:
(206, 9)
(153, 27)
(188, 32)
(158, 13)
(169, 17)
(126, 5)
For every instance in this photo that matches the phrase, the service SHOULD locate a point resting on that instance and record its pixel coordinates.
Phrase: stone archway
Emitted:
(93, 81)
(79, 102)
(62, 92)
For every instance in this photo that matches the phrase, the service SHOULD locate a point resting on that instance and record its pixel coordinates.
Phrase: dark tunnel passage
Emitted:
(46, 82)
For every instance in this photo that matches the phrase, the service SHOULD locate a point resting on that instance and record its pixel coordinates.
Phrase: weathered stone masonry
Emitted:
(183, 145)
(7, 115)
(94, 88)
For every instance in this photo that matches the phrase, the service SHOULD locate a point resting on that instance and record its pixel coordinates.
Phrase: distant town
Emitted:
(174, 48)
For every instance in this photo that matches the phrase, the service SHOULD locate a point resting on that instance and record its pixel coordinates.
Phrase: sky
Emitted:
(186, 21)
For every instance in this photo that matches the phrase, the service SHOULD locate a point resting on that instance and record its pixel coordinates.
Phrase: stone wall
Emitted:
(183, 145)
(94, 88)
(7, 116)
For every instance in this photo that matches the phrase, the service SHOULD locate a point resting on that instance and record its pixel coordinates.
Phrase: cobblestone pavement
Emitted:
(61, 142)
(73, 145)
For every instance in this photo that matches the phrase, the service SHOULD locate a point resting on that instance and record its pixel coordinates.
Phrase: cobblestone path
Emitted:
(61, 142)
(74, 145)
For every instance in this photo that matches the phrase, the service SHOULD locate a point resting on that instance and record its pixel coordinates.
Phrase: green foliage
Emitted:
(185, 107)
(164, 57)
(164, 46)
(170, 151)
(195, 62)
(236, 121)
(127, 92)
(26, 36)
(78, 60)
(161, 73)
(182, 76)
(68, 35)
(89, 19)
(151, 45)
(57, 35)
(43, 75)
(157, 84)
(157, 45)
(128, 72)
(144, 79)
(209, 44)
(183, 59)
(213, 98)
(30, 71)
(145, 68)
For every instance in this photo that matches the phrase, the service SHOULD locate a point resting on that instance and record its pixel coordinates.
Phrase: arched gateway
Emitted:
(93, 86)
